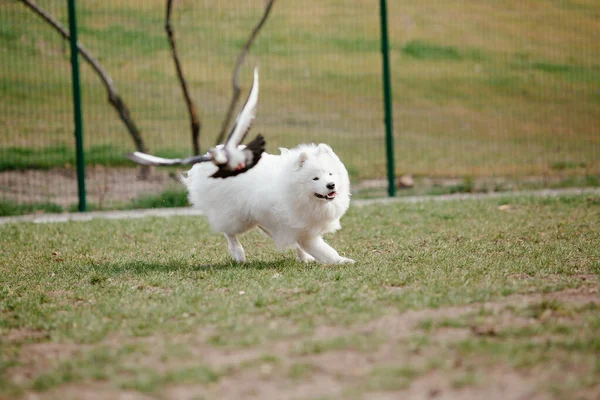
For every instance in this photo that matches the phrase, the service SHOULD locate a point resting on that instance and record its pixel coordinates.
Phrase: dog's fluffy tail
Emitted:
(186, 179)
(191, 179)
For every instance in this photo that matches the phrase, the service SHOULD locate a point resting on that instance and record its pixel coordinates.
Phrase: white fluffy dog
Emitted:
(295, 198)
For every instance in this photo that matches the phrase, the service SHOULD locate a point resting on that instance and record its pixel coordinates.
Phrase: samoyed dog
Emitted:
(294, 197)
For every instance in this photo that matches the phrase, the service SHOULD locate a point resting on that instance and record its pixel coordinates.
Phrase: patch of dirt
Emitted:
(551, 277)
(24, 335)
(246, 373)
(152, 289)
(250, 384)
(103, 185)
(475, 184)
(89, 391)
(402, 326)
(36, 358)
(499, 384)
(58, 293)
(253, 385)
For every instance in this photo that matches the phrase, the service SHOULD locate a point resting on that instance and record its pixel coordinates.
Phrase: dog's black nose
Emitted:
(330, 185)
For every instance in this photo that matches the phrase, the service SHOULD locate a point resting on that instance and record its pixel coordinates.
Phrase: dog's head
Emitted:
(323, 174)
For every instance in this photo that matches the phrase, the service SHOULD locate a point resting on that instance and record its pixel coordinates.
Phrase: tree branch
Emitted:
(236, 73)
(113, 97)
(194, 121)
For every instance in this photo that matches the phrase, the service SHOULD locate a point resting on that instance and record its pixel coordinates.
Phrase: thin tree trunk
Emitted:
(194, 121)
(236, 73)
(113, 96)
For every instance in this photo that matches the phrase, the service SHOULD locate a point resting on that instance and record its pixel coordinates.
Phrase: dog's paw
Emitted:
(306, 258)
(344, 260)
(239, 258)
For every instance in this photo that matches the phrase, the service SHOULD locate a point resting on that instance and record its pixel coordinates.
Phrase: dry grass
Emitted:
(509, 88)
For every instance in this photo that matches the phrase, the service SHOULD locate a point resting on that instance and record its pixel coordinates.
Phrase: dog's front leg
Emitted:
(316, 247)
(302, 255)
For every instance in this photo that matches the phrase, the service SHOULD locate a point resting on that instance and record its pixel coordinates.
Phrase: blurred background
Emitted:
(488, 96)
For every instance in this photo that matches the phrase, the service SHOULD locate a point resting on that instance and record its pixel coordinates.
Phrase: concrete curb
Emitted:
(87, 216)
(188, 211)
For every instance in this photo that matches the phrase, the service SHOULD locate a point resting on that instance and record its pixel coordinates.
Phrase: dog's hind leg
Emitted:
(266, 232)
(235, 248)
(303, 256)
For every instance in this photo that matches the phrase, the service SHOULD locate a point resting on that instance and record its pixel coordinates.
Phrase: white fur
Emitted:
(278, 196)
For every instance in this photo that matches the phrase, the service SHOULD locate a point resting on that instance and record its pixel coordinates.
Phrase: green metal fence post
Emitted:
(77, 106)
(387, 98)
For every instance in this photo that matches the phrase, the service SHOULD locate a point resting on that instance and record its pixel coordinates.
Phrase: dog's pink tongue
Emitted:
(332, 194)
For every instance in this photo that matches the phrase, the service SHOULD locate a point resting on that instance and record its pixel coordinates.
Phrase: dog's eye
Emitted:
(315, 178)
(330, 174)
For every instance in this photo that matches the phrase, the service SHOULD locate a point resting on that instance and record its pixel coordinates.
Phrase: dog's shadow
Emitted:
(278, 265)
(180, 265)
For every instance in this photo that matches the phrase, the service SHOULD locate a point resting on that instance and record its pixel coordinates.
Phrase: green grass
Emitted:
(154, 304)
(22, 158)
(167, 198)
(468, 379)
(391, 378)
(426, 51)
(472, 98)
(10, 208)
(355, 343)
(300, 370)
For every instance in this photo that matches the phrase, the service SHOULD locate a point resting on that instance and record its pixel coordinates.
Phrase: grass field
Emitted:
(494, 298)
(485, 89)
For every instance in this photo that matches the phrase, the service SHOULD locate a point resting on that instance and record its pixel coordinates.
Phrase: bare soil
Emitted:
(104, 186)
(338, 373)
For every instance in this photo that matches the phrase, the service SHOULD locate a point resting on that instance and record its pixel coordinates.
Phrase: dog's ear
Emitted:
(283, 150)
(302, 159)
(322, 148)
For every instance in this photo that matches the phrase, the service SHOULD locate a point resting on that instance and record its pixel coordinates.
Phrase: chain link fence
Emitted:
(487, 96)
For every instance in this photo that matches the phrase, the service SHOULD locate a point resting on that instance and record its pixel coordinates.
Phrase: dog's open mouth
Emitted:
(328, 196)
